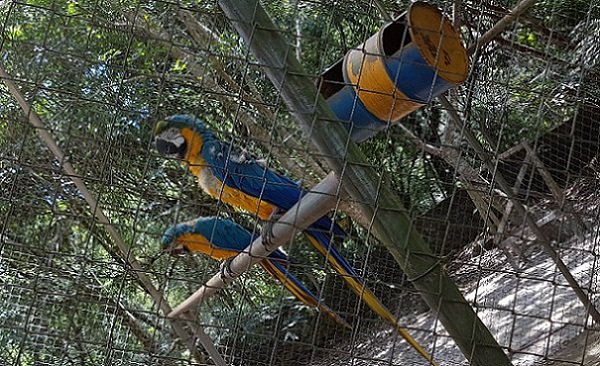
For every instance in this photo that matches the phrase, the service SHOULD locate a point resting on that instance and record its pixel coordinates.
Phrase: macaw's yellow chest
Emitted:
(229, 195)
(213, 186)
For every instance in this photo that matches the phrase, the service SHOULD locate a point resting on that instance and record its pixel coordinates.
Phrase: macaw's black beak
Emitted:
(177, 251)
(168, 148)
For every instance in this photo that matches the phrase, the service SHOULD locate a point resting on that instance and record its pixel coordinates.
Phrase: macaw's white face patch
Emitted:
(173, 135)
(171, 143)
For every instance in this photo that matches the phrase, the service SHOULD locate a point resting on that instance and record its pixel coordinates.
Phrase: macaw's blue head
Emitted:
(169, 242)
(179, 135)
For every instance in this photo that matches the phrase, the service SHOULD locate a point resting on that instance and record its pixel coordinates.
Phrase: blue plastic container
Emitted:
(348, 108)
(404, 66)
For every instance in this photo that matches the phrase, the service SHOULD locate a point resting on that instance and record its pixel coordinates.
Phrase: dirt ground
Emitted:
(533, 314)
(582, 350)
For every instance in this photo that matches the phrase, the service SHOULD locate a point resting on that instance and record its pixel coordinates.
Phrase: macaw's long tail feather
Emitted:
(277, 270)
(321, 241)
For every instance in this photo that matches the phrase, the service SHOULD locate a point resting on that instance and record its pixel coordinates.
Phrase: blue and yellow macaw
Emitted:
(222, 239)
(240, 180)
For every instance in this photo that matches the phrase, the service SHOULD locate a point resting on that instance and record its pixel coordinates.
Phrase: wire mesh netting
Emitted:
(499, 176)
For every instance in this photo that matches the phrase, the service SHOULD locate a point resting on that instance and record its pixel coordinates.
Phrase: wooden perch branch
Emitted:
(466, 173)
(386, 16)
(430, 149)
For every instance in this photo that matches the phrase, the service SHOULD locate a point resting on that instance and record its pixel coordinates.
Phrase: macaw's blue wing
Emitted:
(222, 238)
(322, 243)
(240, 171)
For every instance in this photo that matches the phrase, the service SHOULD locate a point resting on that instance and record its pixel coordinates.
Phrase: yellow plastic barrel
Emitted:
(410, 61)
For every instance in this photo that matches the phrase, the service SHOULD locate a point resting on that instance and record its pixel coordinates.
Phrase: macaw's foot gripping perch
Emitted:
(267, 230)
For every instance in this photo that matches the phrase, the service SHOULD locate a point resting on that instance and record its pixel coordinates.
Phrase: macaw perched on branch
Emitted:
(223, 239)
(240, 180)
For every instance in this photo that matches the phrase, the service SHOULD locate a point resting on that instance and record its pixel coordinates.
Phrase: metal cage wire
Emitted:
(99, 75)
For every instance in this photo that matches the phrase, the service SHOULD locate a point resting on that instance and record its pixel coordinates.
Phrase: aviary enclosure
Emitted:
(418, 182)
